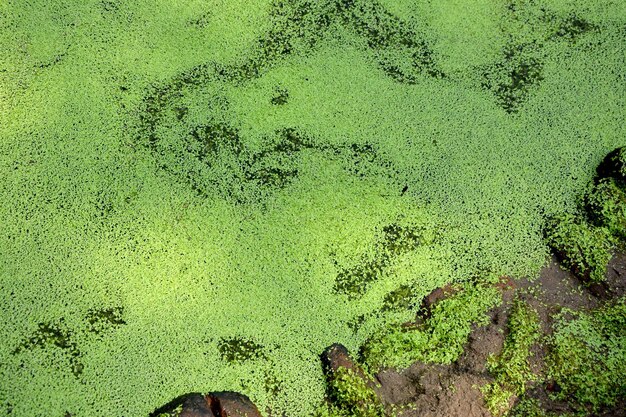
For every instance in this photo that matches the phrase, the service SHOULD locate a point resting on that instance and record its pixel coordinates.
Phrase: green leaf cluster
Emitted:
(511, 368)
(583, 248)
(351, 397)
(588, 356)
(530, 407)
(607, 207)
(443, 335)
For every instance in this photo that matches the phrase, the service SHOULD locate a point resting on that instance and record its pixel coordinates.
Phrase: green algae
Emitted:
(161, 194)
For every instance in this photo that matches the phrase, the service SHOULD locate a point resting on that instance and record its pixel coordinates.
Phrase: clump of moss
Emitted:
(606, 205)
(583, 248)
(441, 338)
(530, 407)
(587, 358)
(351, 397)
(511, 369)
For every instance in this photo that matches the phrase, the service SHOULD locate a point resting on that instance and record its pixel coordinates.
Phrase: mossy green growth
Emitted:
(443, 335)
(351, 397)
(607, 207)
(212, 223)
(583, 248)
(588, 356)
(174, 413)
(511, 368)
(530, 407)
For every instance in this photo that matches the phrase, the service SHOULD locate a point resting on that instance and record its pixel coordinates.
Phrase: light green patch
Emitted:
(585, 249)
(588, 356)
(607, 207)
(397, 130)
(511, 368)
(442, 337)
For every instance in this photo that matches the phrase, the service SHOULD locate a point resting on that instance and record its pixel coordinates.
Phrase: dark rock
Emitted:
(213, 404)
(188, 405)
(196, 406)
(334, 357)
(232, 404)
(613, 165)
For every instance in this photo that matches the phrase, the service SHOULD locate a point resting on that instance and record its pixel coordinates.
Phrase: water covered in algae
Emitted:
(202, 195)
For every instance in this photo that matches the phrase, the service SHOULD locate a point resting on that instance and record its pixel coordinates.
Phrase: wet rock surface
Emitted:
(214, 404)
(433, 390)
(232, 404)
(337, 357)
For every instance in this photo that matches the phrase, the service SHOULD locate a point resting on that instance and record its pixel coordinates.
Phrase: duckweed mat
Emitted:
(202, 195)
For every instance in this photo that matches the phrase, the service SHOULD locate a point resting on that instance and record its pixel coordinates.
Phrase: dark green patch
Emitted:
(206, 142)
(403, 298)
(400, 51)
(354, 281)
(58, 58)
(512, 78)
(362, 156)
(281, 96)
(396, 240)
(356, 323)
(109, 6)
(105, 319)
(58, 336)
(239, 349)
(201, 21)
(272, 384)
(400, 239)
(572, 27)
(273, 177)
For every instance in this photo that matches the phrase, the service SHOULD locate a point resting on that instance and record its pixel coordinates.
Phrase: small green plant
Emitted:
(351, 397)
(511, 369)
(583, 248)
(443, 336)
(498, 399)
(606, 205)
(588, 356)
(530, 407)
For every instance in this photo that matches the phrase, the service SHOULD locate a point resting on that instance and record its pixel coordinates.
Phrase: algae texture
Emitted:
(202, 195)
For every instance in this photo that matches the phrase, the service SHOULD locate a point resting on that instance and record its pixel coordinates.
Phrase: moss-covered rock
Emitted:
(606, 206)
(511, 369)
(614, 165)
(351, 392)
(583, 248)
(588, 356)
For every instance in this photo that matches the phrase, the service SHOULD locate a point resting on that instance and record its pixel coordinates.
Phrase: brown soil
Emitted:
(429, 390)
